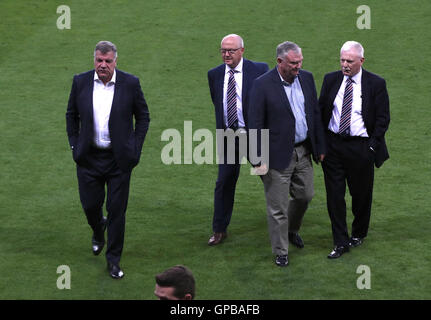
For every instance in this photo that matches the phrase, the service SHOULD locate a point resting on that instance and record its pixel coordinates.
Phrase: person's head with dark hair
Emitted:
(175, 283)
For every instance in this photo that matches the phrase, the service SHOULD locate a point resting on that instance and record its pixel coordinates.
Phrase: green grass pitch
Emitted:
(170, 45)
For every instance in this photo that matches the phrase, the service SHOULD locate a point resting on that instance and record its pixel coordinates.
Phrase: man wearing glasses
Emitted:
(230, 84)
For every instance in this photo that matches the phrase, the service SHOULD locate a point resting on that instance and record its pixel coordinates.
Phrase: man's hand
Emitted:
(259, 171)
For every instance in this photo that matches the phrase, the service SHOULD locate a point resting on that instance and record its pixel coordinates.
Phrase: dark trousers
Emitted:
(224, 193)
(102, 170)
(348, 160)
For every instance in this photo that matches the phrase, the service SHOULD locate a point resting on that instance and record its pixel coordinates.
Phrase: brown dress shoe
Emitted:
(217, 238)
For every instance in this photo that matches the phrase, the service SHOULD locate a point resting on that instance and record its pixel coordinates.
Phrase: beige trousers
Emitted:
(288, 193)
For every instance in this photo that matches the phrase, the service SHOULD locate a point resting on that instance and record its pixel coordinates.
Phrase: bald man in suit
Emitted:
(233, 78)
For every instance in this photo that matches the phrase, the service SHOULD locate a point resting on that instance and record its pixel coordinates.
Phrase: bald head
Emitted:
(234, 37)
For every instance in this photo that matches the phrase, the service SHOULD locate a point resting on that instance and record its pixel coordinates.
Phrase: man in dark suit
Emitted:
(229, 85)
(355, 111)
(284, 101)
(106, 145)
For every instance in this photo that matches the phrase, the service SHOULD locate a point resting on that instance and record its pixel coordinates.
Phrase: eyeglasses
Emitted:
(231, 51)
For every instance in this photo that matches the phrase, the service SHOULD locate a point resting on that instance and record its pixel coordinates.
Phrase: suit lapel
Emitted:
(278, 85)
(219, 83)
(89, 94)
(118, 83)
(306, 91)
(117, 95)
(245, 78)
(365, 94)
(334, 89)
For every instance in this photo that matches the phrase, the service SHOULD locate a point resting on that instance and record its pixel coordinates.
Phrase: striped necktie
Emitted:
(232, 117)
(346, 109)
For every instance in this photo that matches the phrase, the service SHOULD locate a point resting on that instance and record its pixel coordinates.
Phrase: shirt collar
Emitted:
(285, 83)
(356, 78)
(237, 69)
(113, 79)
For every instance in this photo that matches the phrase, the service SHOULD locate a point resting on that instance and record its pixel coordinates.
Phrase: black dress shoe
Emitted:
(217, 238)
(115, 271)
(281, 260)
(338, 252)
(97, 246)
(354, 242)
(99, 242)
(296, 240)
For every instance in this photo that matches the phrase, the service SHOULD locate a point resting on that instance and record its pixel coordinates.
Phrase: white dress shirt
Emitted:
(357, 126)
(102, 103)
(238, 75)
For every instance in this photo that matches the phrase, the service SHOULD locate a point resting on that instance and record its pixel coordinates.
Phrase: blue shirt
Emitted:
(296, 100)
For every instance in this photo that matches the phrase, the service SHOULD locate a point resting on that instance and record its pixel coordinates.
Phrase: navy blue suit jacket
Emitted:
(375, 108)
(251, 70)
(270, 109)
(128, 102)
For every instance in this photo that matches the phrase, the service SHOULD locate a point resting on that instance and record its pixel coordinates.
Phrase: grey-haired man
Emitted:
(106, 146)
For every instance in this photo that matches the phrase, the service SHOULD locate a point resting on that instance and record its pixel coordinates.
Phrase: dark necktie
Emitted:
(346, 109)
(232, 117)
